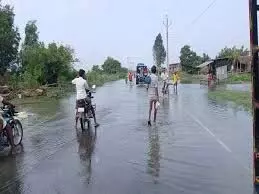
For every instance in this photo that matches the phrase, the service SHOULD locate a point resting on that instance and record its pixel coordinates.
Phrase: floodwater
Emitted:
(239, 87)
(197, 146)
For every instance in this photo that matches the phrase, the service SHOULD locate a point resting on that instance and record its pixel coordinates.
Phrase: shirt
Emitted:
(164, 76)
(175, 77)
(130, 77)
(153, 85)
(81, 85)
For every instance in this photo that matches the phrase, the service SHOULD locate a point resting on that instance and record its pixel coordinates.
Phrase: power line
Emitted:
(202, 13)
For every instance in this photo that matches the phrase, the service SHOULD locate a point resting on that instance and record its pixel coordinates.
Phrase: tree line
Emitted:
(189, 59)
(31, 62)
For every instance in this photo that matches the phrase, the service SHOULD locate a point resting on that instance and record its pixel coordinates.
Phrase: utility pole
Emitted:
(167, 25)
(253, 9)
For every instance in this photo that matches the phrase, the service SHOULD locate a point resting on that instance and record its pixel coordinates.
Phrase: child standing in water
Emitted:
(153, 94)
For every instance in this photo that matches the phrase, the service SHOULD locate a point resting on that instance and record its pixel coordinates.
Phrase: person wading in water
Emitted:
(153, 94)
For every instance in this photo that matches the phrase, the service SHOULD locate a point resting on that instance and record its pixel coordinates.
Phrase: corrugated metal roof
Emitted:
(204, 64)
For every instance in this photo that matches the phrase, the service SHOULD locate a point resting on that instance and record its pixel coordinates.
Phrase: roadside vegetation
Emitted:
(189, 60)
(187, 78)
(239, 78)
(239, 98)
(111, 70)
(29, 66)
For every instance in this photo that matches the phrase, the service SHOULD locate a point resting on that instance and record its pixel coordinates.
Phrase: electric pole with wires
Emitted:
(167, 25)
(253, 9)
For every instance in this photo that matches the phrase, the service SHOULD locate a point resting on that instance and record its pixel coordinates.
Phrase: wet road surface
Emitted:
(197, 146)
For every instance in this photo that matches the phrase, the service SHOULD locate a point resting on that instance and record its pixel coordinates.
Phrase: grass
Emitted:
(65, 88)
(239, 78)
(99, 79)
(240, 98)
(232, 79)
(186, 78)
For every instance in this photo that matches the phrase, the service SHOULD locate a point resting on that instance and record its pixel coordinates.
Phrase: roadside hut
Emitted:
(204, 67)
(243, 64)
(174, 67)
(220, 68)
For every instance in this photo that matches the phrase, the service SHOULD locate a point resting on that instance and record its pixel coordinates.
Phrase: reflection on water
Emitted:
(86, 145)
(216, 106)
(44, 109)
(154, 153)
(11, 172)
(239, 87)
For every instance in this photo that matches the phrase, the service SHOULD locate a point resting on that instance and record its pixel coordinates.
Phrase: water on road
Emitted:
(197, 146)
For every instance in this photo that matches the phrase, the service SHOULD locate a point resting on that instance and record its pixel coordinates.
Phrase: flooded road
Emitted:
(196, 147)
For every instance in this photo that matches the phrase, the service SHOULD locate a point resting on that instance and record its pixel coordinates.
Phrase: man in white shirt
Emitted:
(81, 93)
(164, 77)
(3, 123)
(153, 94)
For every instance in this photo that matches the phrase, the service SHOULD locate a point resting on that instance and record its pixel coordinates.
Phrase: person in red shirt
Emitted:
(130, 77)
(209, 76)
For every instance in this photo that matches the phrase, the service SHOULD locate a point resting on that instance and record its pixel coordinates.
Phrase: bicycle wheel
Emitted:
(17, 132)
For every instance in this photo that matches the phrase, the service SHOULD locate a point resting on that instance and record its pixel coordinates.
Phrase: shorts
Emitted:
(153, 98)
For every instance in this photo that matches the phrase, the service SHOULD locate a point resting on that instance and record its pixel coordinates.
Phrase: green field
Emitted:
(239, 98)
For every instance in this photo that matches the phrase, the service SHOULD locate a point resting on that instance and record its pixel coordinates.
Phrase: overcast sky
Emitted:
(127, 28)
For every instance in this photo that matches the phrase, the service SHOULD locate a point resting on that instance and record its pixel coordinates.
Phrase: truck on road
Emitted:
(141, 73)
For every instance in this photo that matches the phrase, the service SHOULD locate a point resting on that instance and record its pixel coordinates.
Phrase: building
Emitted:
(242, 64)
(221, 67)
(204, 67)
(174, 67)
(218, 67)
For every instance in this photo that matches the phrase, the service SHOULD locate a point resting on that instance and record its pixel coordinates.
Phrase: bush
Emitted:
(100, 78)
(239, 78)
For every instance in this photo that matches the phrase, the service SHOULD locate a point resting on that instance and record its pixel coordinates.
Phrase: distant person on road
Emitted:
(81, 93)
(164, 77)
(130, 77)
(210, 78)
(153, 94)
(175, 80)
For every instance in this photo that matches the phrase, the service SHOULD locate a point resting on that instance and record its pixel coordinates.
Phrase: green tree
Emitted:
(233, 53)
(189, 59)
(47, 65)
(96, 68)
(58, 62)
(9, 38)
(31, 33)
(111, 66)
(205, 57)
(124, 70)
(31, 41)
(33, 60)
(159, 53)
